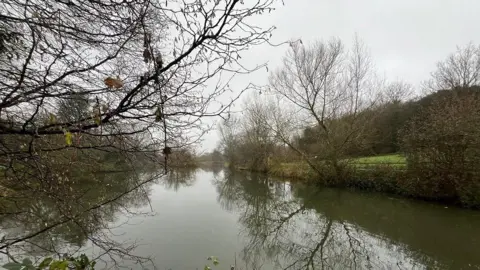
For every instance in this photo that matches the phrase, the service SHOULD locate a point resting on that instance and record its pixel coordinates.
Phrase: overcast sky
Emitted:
(406, 38)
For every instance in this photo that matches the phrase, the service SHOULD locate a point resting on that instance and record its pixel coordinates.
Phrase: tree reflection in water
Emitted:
(177, 178)
(79, 225)
(283, 224)
(93, 231)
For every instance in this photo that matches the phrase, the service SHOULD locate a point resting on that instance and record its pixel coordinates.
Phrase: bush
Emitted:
(442, 146)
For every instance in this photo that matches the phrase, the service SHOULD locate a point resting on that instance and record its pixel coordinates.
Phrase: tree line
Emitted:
(326, 106)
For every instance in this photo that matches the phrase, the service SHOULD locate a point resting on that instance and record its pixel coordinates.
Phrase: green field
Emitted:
(301, 170)
(393, 160)
(390, 159)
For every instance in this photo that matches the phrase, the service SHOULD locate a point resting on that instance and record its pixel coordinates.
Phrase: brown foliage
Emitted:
(442, 144)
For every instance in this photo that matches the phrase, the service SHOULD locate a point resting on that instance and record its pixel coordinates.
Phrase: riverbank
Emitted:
(386, 174)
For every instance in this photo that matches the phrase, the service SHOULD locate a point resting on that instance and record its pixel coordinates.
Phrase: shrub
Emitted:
(442, 146)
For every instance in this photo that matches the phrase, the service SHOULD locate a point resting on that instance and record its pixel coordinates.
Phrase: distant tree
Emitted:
(461, 69)
(397, 92)
(391, 114)
(308, 140)
(217, 156)
(258, 138)
(73, 109)
(230, 140)
(248, 140)
(183, 157)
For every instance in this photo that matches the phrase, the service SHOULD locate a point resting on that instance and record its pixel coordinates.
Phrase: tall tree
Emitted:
(331, 87)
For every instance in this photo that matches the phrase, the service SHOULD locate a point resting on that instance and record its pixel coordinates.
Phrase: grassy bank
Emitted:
(301, 170)
(394, 160)
(387, 174)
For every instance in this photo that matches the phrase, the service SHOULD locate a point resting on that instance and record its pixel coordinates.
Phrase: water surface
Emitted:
(257, 222)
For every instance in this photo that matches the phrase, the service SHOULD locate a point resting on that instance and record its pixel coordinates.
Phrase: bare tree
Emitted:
(229, 139)
(333, 87)
(460, 69)
(76, 48)
(143, 70)
(248, 139)
(397, 91)
(258, 139)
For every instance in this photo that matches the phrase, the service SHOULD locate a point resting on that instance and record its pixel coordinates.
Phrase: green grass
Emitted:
(390, 160)
(301, 170)
(384, 159)
(295, 169)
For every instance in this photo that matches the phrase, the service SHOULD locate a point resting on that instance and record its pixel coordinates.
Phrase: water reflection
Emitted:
(45, 225)
(175, 179)
(299, 227)
(214, 168)
(261, 222)
(91, 207)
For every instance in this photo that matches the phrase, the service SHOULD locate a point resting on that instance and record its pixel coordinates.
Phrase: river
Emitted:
(258, 222)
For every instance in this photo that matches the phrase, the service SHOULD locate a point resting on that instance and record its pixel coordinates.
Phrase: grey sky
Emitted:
(405, 38)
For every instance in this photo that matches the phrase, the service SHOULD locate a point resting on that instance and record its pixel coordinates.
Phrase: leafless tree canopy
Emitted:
(325, 79)
(460, 69)
(333, 87)
(247, 138)
(72, 47)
